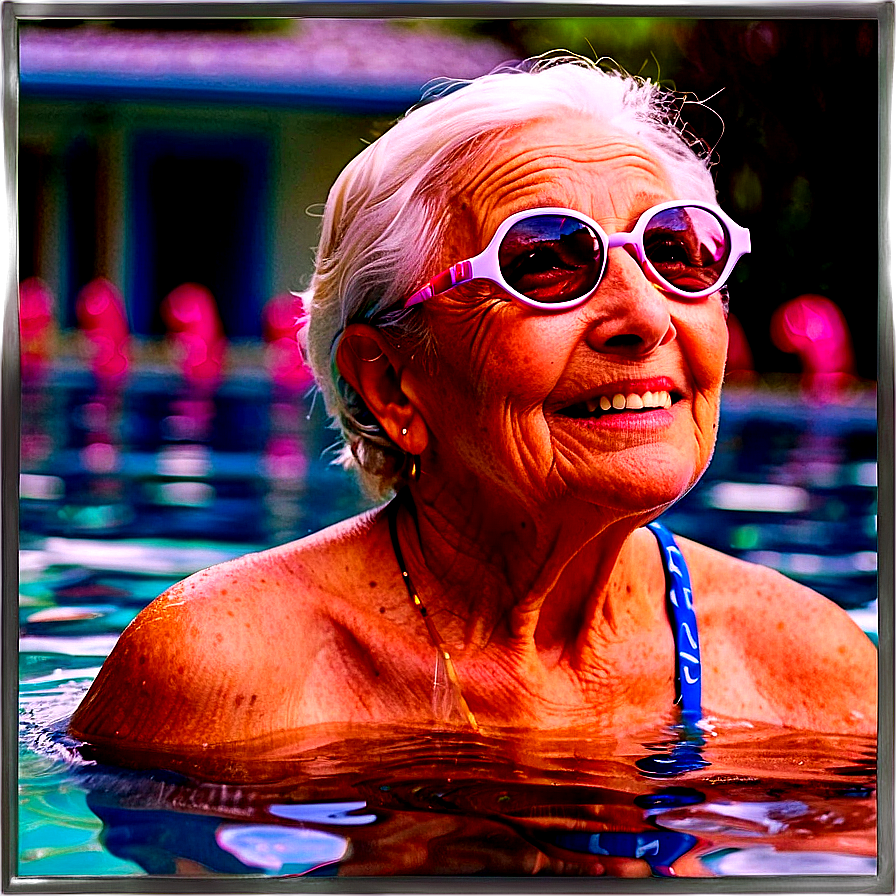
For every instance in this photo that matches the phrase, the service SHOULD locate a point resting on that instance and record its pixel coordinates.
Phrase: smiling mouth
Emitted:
(620, 403)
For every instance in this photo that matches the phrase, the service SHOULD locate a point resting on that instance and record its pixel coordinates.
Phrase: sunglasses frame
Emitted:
(486, 266)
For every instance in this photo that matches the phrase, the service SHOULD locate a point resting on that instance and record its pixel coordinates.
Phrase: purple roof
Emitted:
(312, 51)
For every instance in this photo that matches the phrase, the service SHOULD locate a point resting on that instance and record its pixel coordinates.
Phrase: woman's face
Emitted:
(510, 404)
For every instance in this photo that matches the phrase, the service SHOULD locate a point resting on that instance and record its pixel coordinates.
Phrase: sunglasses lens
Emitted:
(551, 258)
(688, 247)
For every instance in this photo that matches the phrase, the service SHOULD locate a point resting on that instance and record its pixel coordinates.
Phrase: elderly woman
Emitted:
(518, 321)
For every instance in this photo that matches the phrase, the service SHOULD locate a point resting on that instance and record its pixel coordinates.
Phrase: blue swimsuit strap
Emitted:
(680, 608)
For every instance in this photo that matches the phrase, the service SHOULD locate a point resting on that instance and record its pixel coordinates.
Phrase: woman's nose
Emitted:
(631, 316)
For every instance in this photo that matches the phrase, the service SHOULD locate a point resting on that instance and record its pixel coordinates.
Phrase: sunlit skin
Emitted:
(526, 544)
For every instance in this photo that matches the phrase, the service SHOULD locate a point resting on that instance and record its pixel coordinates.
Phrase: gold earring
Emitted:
(361, 357)
(414, 472)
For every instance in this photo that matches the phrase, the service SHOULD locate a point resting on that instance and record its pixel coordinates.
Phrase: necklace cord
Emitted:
(443, 654)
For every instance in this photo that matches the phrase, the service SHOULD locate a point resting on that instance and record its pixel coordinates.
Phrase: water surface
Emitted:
(746, 800)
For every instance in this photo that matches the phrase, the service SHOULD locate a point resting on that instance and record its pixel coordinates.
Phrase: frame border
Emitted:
(12, 11)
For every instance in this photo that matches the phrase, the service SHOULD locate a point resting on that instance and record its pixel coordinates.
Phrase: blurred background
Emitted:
(171, 178)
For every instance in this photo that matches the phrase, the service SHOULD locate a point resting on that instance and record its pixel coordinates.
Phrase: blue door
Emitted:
(200, 205)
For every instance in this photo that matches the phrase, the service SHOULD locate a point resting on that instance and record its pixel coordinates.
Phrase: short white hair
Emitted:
(385, 215)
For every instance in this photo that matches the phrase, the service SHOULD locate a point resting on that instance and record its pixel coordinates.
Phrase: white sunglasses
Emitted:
(556, 258)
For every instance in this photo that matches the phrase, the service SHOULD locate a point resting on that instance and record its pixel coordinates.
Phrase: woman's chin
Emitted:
(648, 502)
(646, 483)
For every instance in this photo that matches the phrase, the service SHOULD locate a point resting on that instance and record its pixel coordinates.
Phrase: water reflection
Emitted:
(154, 457)
(447, 803)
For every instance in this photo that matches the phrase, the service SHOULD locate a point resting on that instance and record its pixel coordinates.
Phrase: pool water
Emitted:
(763, 802)
(126, 491)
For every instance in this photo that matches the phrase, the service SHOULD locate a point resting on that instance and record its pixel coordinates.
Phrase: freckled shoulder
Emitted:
(226, 654)
(778, 649)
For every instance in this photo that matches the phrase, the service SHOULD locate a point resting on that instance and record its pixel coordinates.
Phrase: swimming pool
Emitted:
(126, 491)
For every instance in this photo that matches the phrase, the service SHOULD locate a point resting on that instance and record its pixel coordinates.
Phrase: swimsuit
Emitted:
(684, 625)
(685, 753)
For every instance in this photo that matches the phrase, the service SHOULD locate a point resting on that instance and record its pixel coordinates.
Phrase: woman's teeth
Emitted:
(632, 402)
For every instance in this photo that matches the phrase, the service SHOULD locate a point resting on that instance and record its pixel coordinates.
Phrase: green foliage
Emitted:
(646, 46)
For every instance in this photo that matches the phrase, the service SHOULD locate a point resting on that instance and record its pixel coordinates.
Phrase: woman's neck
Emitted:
(507, 575)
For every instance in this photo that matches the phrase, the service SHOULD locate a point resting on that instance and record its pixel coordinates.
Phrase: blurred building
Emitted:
(154, 156)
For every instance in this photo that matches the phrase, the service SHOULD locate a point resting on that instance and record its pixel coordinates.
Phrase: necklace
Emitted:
(443, 657)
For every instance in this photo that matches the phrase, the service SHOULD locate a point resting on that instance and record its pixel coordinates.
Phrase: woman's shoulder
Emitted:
(727, 587)
(331, 562)
(238, 638)
(800, 652)
(270, 587)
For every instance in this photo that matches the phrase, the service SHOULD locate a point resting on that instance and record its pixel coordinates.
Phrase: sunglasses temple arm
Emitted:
(454, 276)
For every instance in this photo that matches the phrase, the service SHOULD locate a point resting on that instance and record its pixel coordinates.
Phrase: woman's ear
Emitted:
(374, 368)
